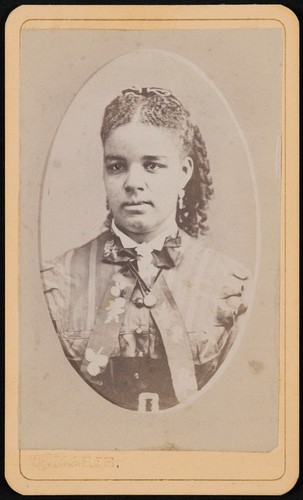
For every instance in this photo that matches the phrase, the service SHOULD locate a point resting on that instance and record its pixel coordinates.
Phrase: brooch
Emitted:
(110, 249)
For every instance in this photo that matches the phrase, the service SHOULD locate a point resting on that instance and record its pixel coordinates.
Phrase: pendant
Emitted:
(149, 300)
(139, 302)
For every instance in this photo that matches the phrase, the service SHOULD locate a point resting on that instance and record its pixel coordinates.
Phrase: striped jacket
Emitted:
(201, 299)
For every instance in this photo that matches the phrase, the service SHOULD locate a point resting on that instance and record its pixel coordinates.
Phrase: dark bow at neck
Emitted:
(168, 257)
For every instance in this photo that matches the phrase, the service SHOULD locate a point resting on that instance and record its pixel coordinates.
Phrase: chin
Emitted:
(139, 228)
(132, 226)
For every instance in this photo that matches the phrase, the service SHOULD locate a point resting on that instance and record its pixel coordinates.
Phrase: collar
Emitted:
(155, 244)
(166, 248)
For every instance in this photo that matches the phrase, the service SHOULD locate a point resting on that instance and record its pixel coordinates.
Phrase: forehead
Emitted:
(143, 138)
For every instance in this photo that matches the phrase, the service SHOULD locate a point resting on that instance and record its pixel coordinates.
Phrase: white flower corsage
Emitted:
(97, 361)
(117, 305)
(115, 308)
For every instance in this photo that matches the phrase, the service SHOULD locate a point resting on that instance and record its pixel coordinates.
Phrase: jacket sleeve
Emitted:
(54, 287)
(234, 294)
(234, 300)
(228, 285)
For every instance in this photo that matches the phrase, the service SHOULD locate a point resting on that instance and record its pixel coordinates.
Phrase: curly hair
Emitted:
(159, 107)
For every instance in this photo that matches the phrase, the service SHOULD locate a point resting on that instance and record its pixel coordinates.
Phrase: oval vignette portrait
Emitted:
(149, 232)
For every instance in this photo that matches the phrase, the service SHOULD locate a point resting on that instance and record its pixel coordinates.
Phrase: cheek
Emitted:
(112, 195)
(112, 185)
(169, 184)
(165, 196)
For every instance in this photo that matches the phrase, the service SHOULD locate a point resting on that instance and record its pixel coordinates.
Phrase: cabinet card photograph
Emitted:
(146, 311)
(150, 171)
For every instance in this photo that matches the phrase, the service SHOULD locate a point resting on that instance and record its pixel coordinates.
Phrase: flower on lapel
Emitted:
(97, 361)
(110, 248)
(115, 308)
(120, 281)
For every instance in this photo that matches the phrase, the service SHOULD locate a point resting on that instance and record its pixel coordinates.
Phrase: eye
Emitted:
(152, 166)
(115, 167)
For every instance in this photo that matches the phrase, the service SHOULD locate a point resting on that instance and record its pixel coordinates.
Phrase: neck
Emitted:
(150, 235)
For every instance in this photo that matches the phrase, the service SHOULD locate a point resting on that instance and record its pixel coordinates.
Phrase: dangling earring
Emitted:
(180, 199)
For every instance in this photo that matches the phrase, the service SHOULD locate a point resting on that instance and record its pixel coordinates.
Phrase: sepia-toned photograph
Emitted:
(148, 229)
(147, 311)
(152, 327)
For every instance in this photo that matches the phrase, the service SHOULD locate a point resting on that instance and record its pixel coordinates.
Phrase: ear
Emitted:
(187, 169)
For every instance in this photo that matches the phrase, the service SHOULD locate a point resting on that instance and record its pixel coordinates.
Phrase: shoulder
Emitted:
(82, 250)
(218, 262)
(73, 261)
(225, 265)
(231, 285)
(223, 279)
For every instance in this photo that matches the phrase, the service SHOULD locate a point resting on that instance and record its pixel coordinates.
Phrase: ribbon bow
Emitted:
(147, 91)
(152, 91)
(168, 257)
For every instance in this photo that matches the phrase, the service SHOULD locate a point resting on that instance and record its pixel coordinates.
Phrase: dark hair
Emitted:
(159, 107)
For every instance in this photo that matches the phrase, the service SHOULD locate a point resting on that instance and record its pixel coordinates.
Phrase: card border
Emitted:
(279, 466)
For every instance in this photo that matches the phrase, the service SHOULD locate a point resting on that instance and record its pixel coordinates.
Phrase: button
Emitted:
(150, 300)
(139, 331)
(136, 375)
(139, 302)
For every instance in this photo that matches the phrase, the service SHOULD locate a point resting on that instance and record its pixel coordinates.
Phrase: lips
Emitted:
(136, 203)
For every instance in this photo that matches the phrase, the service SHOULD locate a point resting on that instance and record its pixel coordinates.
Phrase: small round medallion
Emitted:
(139, 302)
(150, 300)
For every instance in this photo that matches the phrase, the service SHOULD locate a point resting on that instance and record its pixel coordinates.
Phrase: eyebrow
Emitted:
(145, 157)
(152, 157)
(114, 157)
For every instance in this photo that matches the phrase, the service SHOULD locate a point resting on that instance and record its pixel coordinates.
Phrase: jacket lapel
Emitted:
(103, 341)
(175, 339)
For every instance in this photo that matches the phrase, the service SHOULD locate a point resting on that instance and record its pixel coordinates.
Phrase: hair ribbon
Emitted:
(147, 91)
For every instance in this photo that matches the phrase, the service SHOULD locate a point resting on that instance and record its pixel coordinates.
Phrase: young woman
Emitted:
(146, 313)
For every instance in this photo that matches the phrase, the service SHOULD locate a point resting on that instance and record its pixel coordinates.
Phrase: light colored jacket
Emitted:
(201, 298)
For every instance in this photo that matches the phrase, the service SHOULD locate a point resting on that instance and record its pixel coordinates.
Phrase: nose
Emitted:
(135, 179)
